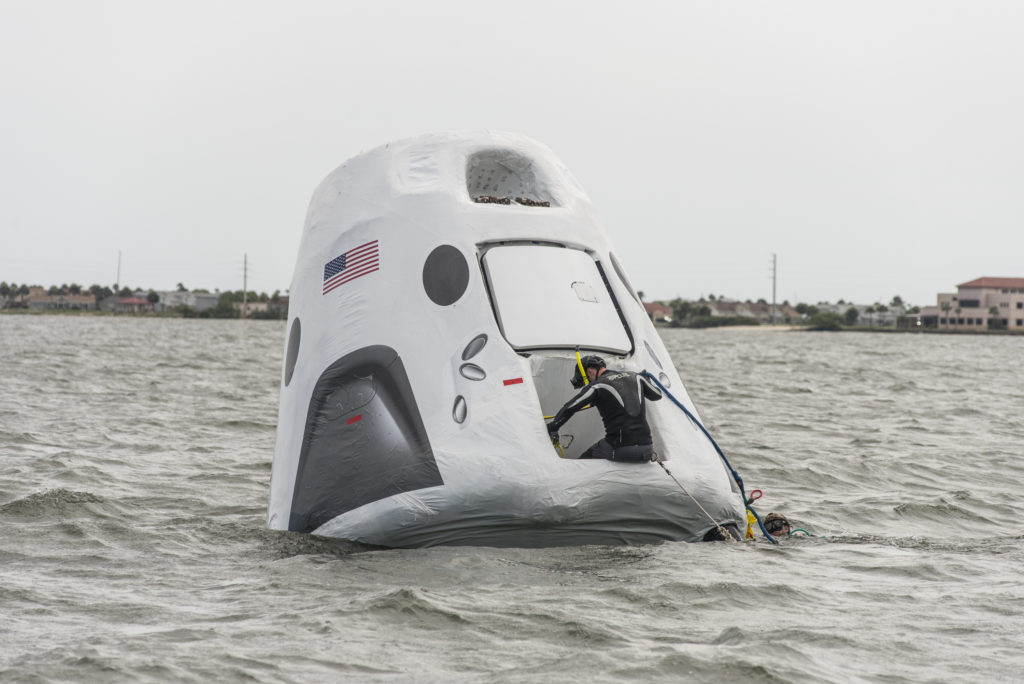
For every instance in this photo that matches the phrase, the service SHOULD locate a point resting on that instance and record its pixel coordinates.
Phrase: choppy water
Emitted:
(134, 466)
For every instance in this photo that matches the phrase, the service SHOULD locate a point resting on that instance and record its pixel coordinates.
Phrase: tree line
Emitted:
(99, 292)
(225, 307)
(699, 313)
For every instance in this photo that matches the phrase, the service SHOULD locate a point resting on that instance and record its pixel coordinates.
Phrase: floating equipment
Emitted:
(443, 289)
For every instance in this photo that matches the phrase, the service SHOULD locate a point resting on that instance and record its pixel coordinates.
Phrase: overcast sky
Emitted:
(876, 147)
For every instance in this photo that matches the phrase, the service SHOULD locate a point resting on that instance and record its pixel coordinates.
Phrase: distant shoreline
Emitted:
(113, 314)
(787, 327)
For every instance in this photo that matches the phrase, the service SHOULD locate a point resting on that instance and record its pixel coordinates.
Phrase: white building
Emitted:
(980, 304)
(170, 299)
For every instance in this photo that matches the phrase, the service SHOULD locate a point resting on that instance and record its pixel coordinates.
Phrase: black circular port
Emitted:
(445, 275)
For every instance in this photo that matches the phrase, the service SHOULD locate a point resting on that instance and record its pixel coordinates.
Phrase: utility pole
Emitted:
(774, 273)
(117, 283)
(245, 283)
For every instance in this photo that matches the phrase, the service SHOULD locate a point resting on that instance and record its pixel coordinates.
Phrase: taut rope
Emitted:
(721, 530)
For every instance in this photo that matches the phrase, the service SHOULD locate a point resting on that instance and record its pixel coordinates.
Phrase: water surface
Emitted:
(134, 469)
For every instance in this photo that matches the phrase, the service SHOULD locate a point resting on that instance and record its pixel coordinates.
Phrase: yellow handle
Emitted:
(586, 381)
(583, 372)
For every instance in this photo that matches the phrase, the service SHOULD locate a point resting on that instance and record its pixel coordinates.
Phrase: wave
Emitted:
(57, 503)
(410, 603)
(243, 423)
(282, 545)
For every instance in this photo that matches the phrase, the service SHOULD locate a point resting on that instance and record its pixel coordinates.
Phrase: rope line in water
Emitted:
(718, 526)
(735, 475)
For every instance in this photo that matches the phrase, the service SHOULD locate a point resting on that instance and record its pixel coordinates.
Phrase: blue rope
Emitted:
(735, 475)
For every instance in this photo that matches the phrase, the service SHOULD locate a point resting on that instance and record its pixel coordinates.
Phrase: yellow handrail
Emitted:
(586, 381)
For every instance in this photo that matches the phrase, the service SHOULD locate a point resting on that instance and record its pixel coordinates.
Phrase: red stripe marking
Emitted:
(513, 381)
(354, 419)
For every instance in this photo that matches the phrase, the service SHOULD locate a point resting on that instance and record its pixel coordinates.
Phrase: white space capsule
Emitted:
(442, 288)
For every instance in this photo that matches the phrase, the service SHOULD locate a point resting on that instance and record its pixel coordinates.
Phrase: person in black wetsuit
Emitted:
(620, 398)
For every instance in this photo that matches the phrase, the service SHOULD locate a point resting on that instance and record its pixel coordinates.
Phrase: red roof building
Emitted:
(980, 304)
(995, 283)
(658, 312)
(133, 305)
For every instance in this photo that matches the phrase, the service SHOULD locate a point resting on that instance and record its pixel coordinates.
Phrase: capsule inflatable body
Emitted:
(442, 289)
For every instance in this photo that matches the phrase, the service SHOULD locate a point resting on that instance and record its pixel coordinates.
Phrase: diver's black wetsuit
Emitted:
(619, 397)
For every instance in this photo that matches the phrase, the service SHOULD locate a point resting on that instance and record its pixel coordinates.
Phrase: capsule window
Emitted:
(501, 176)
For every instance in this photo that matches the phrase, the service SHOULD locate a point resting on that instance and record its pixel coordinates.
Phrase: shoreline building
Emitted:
(167, 300)
(760, 311)
(658, 312)
(869, 315)
(981, 304)
(170, 299)
(39, 300)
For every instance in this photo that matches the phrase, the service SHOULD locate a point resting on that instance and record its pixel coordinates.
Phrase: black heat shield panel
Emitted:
(364, 439)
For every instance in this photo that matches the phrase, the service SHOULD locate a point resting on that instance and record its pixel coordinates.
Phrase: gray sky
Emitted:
(876, 147)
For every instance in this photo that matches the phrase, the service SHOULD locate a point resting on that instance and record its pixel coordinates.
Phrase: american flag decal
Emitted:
(354, 263)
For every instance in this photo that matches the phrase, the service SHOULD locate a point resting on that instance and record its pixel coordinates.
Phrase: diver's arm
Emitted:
(571, 407)
(649, 389)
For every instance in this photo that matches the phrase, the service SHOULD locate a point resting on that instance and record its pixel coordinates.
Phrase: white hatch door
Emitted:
(553, 297)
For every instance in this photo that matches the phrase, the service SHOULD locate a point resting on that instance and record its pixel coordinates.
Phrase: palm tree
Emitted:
(945, 310)
(681, 311)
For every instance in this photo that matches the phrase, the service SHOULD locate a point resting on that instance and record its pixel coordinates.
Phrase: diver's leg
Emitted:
(602, 449)
(636, 453)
